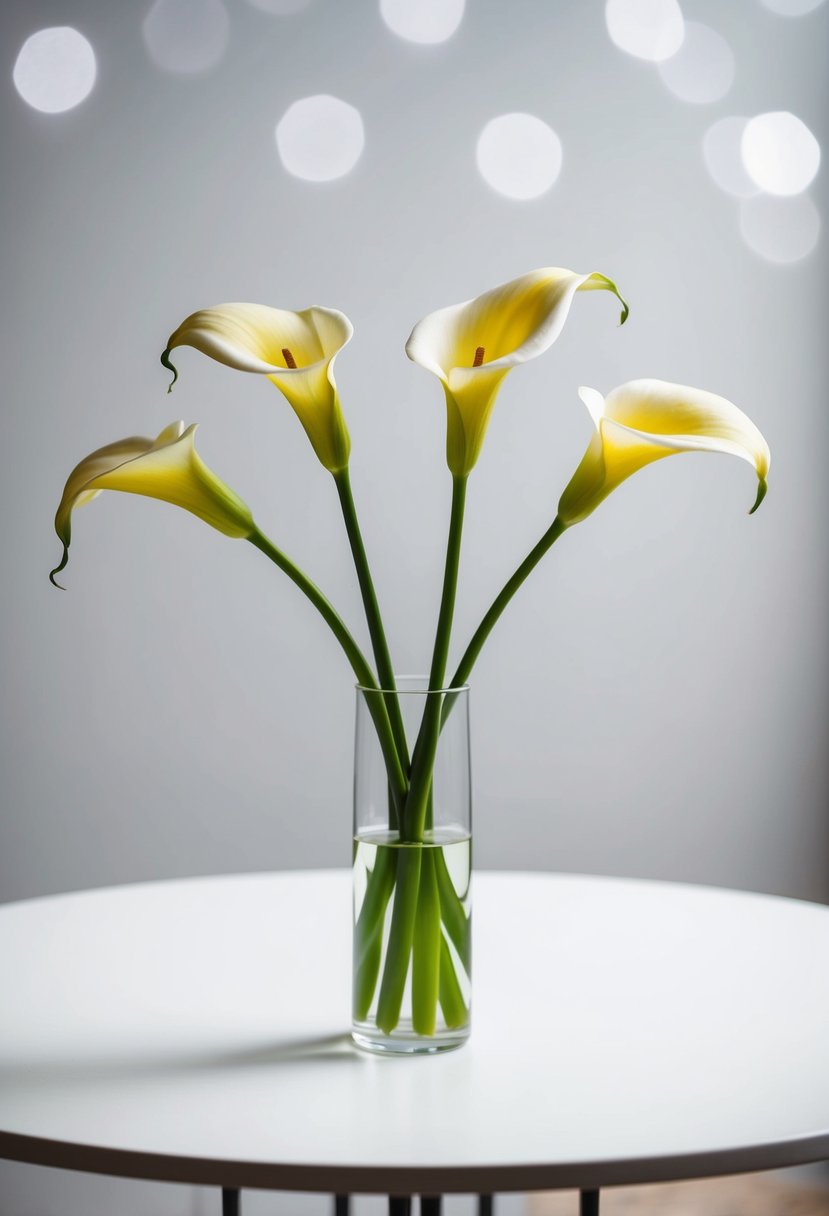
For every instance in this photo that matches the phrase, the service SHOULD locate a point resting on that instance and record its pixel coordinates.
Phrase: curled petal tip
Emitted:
(602, 282)
(625, 313)
(761, 494)
(165, 362)
(58, 569)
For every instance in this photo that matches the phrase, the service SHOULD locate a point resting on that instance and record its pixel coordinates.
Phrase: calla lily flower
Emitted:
(644, 420)
(470, 347)
(296, 350)
(169, 468)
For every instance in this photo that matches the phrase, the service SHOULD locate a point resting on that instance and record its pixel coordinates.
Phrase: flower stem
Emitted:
(426, 949)
(385, 668)
(359, 664)
(452, 911)
(368, 931)
(401, 934)
(499, 604)
(452, 1003)
(423, 758)
(450, 584)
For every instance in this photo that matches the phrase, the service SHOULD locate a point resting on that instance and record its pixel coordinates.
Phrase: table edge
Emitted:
(412, 1179)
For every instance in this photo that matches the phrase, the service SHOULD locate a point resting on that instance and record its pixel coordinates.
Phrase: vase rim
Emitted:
(422, 690)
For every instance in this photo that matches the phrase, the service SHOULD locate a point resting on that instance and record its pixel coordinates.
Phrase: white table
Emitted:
(623, 1032)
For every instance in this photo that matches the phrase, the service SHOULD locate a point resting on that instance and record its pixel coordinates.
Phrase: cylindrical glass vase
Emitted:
(412, 869)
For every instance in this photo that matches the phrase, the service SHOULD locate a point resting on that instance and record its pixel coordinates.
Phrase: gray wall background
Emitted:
(654, 703)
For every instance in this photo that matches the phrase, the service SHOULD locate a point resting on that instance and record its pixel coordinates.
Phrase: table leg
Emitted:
(230, 1202)
(431, 1205)
(400, 1205)
(342, 1205)
(485, 1205)
(589, 1203)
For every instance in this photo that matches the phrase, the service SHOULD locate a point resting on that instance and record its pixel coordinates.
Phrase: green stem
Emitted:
(359, 664)
(382, 657)
(450, 584)
(401, 935)
(426, 949)
(453, 913)
(499, 604)
(425, 749)
(452, 1003)
(368, 931)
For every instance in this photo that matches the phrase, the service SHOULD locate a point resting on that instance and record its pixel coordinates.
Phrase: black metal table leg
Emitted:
(230, 1202)
(400, 1205)
(484, 1205)
(342, 1205)
(589, 1203)
(431, 1205)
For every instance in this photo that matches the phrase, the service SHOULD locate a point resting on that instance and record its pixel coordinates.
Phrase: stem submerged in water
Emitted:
(426, 949)
(368, 931)
(400, 938)
(406, 938)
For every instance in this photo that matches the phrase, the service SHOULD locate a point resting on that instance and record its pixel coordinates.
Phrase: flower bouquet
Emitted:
(412, 913)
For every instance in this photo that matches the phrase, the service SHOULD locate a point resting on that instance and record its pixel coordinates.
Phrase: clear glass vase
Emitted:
(412, 869)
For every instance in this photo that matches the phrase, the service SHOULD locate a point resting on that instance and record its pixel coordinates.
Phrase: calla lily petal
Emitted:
(470, 347)
(645, 420)
(296, 350)
(168, 467)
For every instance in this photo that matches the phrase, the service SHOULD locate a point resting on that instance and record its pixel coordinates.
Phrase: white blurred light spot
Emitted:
(55, 69)
(780, 153)
(320, 138)
(792, 8)
(519, 155)
(722, 151)
(422, 20)
(702, 70)
(186, 36)
(648, 29)
(781, 230)
(280, 8)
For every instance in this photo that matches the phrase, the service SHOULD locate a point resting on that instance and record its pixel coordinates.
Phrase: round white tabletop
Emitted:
(623, 1032)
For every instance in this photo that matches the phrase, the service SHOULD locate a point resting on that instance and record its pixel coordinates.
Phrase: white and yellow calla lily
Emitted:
(295, 350)
(168, 467)
(470, 347)
(645, 420)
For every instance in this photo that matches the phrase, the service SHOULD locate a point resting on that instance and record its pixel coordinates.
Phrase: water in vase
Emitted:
(412, 941)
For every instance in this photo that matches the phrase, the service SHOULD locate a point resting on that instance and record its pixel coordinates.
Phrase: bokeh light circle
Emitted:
(722, 152)
(792, 8)
(186, 36)
(702, 70)
(648, 29)
(519, 155)
(55, 69)
(320, 138)
(425, 21)
(780, 153)
(781, 230)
